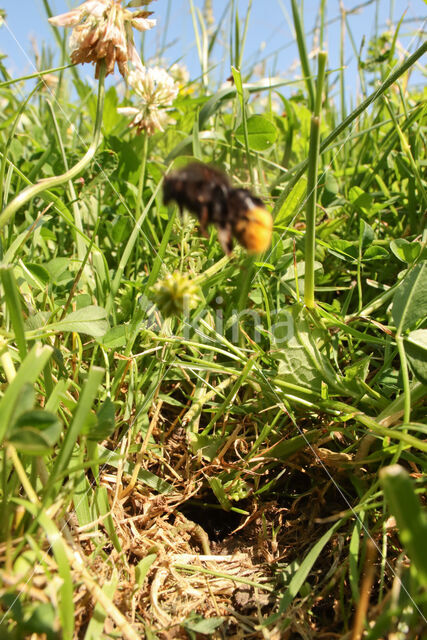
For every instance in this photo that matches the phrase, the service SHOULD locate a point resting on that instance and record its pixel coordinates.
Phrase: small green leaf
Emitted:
(262, 133)
(206, 445)
(216, 486)
(330, 188)
(114, 338)
(90, 320)
(410, 299)
(42, 621)
(105, 423)
(344, 249)
(237, 489)
(291, 272)
(331, 183)
(110, 116)
(300, 360)
(27, 374)
(416, 352)
(375, 253)
(293, 203)
(143, 567)
(24, 402)
(366, 234)
(58, 270)
(205, 626)
(37, 320)
(404, 250)
(39, 272)
(361, 200)
(119, 229)
(35, 432)
(358, 370)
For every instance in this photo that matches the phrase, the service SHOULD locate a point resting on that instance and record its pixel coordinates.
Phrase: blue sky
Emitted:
(270, 37)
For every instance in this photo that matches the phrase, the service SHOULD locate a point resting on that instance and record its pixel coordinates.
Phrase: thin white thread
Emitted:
(259, 370)
(296, 425)
(337, 487)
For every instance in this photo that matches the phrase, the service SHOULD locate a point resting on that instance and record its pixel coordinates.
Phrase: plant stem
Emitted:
(240, 92)
(129, 248)
(141, 181)
(406, 390)
(12, 453)
(305, 65)
(38, 75)
(245, 33)
(313, 158)
(342, 60)
(48, 183)
(80, 244)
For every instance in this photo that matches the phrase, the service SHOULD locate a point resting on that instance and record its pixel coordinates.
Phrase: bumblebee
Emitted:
(208, 194)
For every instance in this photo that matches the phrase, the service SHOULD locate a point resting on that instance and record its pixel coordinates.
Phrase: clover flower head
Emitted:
(102, 31)
(155, 89)
(175, 295)
(2, 17)
(180, 73)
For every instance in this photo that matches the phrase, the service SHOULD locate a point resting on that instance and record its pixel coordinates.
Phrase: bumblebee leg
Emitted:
(203, 221)
(225, 239)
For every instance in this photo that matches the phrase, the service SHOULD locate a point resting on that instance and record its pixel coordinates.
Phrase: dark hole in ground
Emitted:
(324, 611)
(301, 489)
(217, 523)
(290, 487)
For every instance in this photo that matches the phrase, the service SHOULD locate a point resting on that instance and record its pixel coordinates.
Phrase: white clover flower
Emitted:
(156, 90)
(102, 31)
(2, 17)
(180, 73)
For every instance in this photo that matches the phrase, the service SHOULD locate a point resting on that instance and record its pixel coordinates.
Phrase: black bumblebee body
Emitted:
(207, 193)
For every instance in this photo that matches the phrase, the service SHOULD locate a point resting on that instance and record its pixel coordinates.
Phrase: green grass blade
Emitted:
(89, 392)
(301, 574)
(13, 302)
(61, 554)
(104, 512)
(28, 373)
(97, 621)
(410, 519)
